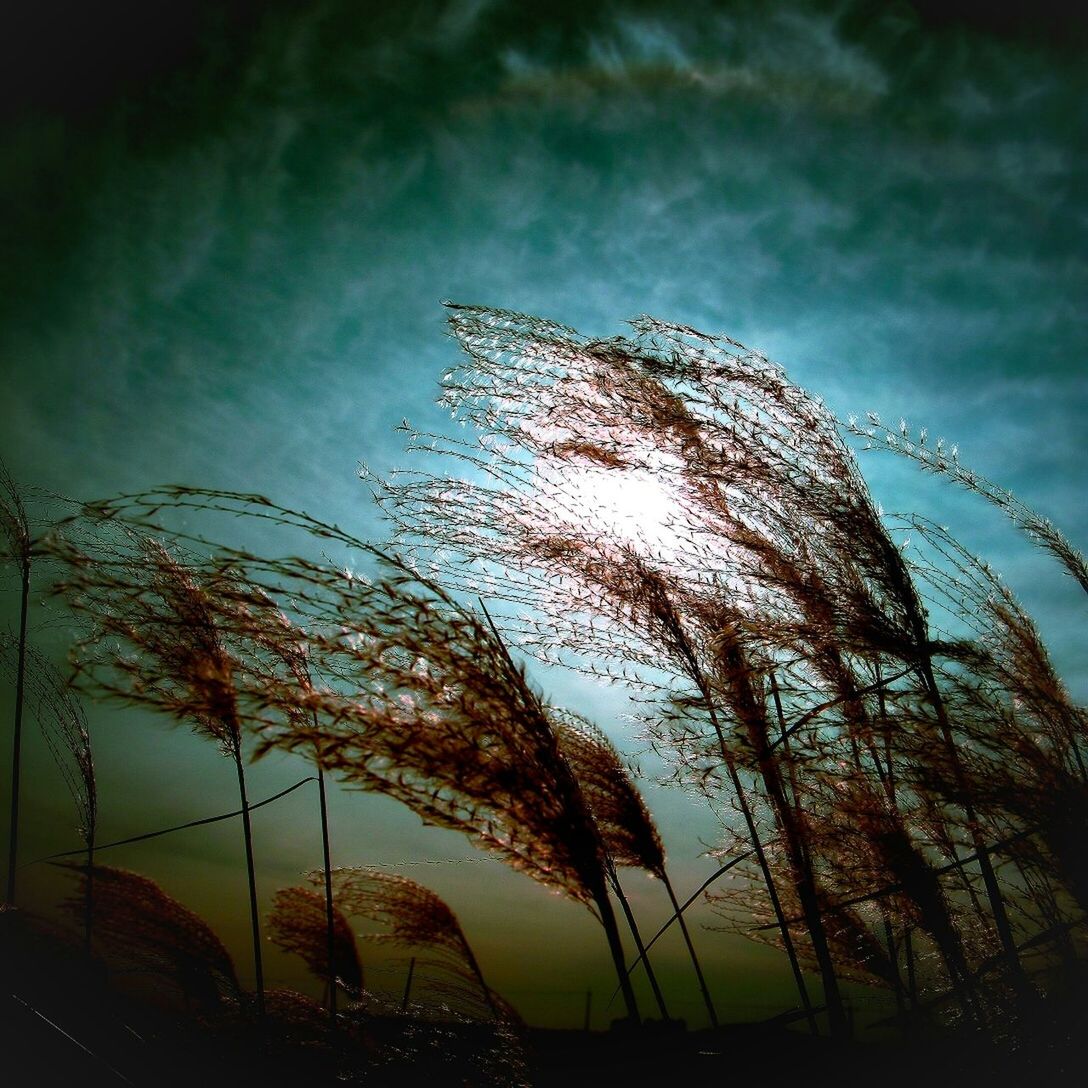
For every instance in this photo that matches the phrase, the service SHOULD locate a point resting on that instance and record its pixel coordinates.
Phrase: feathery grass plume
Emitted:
(944, 461)
(415, 917)
(14, 521)
(437, 715)
(63, 724)
(625, 823)
(1005, 646)
(1022, 786)
(297, 924)
(484, 758)
(858, 955)
(504, 784)
(626, 826)
(17, 547)
(1026, 736)
(137, 926)
(754, 468)
(867, 845)
(157, 640)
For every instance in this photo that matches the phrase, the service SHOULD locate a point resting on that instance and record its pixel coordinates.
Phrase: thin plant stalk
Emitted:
(989, 877)
(776, 903)
(679, 914)
(254, 913)
(912, 984)
(88, 895)
(615, 946)
(15, 527)
(474, 966)
(643, 955)
(791, 823)
(761, 858)
(806, 890)
(893, 959)
(329, 919)
(17, 737)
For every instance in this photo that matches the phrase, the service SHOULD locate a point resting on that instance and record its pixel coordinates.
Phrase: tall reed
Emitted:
(157, 641)
(17, 547)
(625, 823)
(413, 916)
(63, 724)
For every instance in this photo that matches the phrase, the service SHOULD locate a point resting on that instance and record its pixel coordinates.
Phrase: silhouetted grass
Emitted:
(897, 765)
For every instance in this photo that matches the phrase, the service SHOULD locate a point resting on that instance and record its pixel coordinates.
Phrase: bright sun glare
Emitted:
(638, 506)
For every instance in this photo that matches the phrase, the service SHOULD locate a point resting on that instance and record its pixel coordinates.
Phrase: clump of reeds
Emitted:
(774, 593)
(878, 764)
(418, 700)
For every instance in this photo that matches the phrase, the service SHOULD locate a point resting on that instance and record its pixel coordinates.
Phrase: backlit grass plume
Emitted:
(413, 916)
(672, 499)
(297, 924)
(943, 460)
(158, 639)
(1027, 737)
(137, 926)
(427, 707)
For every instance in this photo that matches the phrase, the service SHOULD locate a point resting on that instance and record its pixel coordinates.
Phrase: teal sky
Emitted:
(226, 235)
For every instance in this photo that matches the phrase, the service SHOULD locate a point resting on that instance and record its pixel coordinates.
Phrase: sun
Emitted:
(637, 506)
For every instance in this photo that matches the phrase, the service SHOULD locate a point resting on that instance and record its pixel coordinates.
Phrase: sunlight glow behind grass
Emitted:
(633, 505)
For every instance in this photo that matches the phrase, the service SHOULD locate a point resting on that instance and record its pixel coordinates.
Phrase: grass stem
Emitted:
(17, 736)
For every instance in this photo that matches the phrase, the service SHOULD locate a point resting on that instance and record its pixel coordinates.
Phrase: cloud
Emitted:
(254, 300)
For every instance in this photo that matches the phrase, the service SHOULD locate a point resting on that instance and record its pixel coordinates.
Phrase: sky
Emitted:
(228, 229)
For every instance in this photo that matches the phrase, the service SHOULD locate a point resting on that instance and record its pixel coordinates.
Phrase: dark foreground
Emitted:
(61, 1025)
